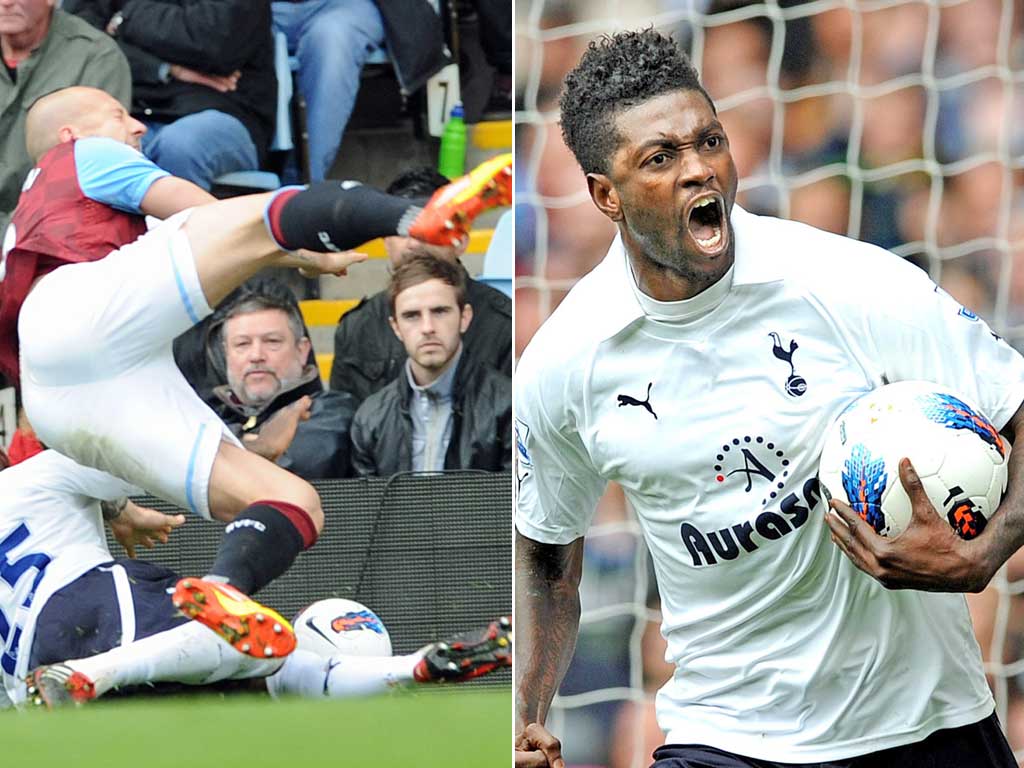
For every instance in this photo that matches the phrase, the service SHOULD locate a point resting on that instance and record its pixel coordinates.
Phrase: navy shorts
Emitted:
(980, 745)
(112, 604)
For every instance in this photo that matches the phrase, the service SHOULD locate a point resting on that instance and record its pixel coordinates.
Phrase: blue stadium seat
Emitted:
(499, 261)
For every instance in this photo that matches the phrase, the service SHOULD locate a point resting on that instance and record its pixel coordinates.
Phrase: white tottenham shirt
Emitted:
(712, 418)
(51, 532)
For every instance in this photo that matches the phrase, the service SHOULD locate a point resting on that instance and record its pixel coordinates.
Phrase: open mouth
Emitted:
(706, 223)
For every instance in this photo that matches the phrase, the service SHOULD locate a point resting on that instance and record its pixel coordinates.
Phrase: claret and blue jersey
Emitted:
(80, 202)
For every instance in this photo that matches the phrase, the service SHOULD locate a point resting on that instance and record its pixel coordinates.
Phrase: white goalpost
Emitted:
(899, 122)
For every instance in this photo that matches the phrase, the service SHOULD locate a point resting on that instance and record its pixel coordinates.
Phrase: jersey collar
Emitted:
(755, 263)
(757, 260)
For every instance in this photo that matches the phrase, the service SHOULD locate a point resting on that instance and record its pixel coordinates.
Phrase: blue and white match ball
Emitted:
(333, 626)
(959, 455)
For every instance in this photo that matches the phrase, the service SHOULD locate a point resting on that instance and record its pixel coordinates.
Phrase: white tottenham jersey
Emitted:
(714, 427)
(51, 532)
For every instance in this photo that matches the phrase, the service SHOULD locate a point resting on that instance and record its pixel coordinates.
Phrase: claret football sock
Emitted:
(329, 216)
(261, 543)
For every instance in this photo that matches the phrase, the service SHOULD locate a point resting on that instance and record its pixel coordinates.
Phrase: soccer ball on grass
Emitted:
(333, 626)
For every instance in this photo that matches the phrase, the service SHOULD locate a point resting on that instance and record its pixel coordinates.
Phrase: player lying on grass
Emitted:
(97, 304)
(75, 622)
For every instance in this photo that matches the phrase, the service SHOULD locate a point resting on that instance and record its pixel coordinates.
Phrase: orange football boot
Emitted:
(449, 214)
(249, 627)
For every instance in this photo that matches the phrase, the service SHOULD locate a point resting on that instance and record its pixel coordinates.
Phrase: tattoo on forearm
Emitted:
(113, 509)
(547, 621)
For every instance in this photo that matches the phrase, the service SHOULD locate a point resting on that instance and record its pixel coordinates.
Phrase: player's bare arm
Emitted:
(929, 555)
(548, 613)
(170, 194)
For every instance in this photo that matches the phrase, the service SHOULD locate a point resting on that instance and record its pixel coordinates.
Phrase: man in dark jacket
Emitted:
(367, 355)
(274, 399)
(203, 79)
(443, 410)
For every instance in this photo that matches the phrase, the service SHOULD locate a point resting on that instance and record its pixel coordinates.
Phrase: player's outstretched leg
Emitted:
(331, 217)
(463, 657)
(232, 239)
(188, 653)
(249, 627)
(467, 655)
(57, 685)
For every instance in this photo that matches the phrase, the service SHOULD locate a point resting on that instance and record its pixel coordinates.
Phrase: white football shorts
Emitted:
(99, 382)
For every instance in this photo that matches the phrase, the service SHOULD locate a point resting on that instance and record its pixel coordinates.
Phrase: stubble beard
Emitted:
(672, 256)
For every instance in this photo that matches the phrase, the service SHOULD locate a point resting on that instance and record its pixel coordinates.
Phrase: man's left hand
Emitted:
(928, 555)
(143, 526)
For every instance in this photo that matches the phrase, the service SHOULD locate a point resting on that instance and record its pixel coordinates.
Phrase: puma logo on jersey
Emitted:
(646, 404)
(795, 385)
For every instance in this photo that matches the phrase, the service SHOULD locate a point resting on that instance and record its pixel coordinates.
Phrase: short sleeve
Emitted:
(86, 481)
(921, 332)
(558, 486)
(113, 173)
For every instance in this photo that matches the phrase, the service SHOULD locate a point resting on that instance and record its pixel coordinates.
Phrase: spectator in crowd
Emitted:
(44, 50)
(274, 399)
(367, 355)
(444, 410)
(202, 362)
(332, 40)
(495, 23)
(203, 79)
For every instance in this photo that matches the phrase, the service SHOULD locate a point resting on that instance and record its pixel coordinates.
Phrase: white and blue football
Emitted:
(333, 626)
(959, 455)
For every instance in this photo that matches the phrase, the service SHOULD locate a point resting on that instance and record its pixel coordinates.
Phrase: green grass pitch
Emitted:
(451, 728)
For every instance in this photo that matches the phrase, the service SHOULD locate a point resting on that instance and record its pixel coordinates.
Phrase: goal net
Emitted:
(898, 122)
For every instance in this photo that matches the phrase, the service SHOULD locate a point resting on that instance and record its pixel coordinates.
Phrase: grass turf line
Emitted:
(450, 729)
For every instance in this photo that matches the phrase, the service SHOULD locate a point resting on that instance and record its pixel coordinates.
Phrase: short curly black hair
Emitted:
(417, 183)
(616, 73)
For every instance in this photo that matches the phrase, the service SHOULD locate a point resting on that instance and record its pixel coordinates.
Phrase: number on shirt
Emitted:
(15, 573)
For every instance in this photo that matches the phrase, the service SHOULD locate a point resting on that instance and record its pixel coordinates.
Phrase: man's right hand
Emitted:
(537, 748)
(278, 431)
(222, 83)
(313, 263)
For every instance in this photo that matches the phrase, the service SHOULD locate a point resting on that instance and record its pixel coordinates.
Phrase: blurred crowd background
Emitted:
(898, 123)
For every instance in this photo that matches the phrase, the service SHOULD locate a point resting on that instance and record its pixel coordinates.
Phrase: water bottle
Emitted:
(451, 160)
